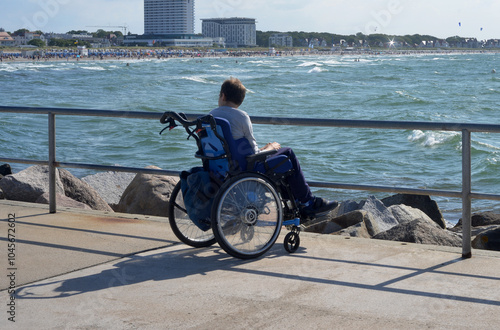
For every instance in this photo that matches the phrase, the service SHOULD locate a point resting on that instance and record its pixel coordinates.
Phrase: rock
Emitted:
(423, 232)
(488, 239)
(80, 191)
(404, 213)
(335, 224)
(5, 170)
(29, 184)
(347, 206)
(482, 219)
(147, 194)
(423, 203)
(381, 217)
(110, 185)
(62, 201)
(358, 230)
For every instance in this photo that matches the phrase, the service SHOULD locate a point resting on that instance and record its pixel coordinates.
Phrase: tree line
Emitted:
(301, 39)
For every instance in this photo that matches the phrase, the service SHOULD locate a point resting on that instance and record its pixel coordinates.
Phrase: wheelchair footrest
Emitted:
(293, 222)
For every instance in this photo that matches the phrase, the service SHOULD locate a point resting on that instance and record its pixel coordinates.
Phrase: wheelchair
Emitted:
(244, 203)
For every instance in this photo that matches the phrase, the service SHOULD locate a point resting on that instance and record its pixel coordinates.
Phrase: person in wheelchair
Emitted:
(231, 97)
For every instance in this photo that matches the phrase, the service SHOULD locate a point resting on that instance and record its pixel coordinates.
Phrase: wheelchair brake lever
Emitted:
(171, 125)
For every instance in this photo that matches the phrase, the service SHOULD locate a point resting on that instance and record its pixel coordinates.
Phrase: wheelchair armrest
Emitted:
(258, 157)
(198, 155)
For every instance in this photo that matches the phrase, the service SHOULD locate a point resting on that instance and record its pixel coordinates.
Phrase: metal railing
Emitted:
(465, 194)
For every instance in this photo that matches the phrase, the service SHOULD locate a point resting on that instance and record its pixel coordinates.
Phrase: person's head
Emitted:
(232, 91)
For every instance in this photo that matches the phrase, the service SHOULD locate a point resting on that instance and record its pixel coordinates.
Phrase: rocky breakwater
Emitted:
(404, 218)
(107, 191)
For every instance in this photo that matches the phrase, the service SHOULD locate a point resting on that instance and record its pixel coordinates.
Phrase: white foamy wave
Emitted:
(306, 64)
(198, 79)
(8, 68)
(316, 70)
(93, 68)
(431, 139)
(487, 145)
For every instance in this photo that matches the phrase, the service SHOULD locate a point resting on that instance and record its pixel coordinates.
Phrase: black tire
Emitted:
(292, 242)
(185, 230)
(247, 216)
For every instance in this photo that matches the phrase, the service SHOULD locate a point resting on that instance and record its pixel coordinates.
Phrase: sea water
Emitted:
(431, 88)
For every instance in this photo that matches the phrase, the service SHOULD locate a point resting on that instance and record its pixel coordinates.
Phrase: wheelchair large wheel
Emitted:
(247, 216)
(182, 226)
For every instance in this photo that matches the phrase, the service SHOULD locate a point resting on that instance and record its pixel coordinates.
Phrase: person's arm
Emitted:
(271, 146)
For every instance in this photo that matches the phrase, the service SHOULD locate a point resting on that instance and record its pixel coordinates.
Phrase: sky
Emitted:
(439, 18)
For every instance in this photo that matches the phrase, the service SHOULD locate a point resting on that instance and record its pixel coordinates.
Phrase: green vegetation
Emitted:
(37, 43)
(359, 39)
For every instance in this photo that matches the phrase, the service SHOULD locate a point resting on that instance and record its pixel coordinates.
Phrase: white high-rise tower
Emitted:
(168, 16)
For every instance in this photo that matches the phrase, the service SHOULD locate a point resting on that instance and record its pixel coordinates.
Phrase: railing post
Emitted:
(52, 160)
(466, 195)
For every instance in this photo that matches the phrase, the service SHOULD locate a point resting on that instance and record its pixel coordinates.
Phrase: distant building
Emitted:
(168, 40)
(6, 39)
(26, 37)
(280, 39)
(168, 17)
(237, 31)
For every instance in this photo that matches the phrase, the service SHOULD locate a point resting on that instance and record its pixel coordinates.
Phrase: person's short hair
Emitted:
(234, 91)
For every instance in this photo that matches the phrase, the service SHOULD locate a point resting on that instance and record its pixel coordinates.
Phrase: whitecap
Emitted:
(198, 79)
(93, 68)
(306, 64)
(316, 70)
(431, 138)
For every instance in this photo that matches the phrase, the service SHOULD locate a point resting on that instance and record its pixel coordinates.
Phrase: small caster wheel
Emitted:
(292, 242)
(247, 233)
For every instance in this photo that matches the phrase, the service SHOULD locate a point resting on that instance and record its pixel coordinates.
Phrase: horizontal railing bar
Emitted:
(443, 193)
(316, 184)
(485, 196)
(118, 169)
(24, 161)
(346, 123)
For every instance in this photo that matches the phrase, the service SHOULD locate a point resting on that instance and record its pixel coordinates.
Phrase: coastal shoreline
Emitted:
(159, 55)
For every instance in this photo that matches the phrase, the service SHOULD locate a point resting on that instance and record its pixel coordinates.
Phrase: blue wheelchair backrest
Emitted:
(233, 157)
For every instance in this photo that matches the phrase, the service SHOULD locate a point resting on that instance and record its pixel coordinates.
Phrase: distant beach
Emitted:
(147, 54)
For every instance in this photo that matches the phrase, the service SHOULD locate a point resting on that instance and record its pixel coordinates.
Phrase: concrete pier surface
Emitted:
(91, 270)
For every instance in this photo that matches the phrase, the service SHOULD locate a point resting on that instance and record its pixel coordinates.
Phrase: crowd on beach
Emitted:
(124, 54)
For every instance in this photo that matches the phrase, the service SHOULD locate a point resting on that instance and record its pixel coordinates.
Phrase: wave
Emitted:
(317, 70)
(432, 139)
(306, 64)
(93, 68)
(199, 80)
(405, 94)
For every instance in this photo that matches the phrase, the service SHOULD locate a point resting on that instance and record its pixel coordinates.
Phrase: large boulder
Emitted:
(423, 203)
(62, 201)
(488, 239)
(482, 219)
(110, 185)
(80, 191)
(423, 232)
(147, 194)
(404, 213)
(5, 170)
(381, 218)
(29, 184)
(336, 224)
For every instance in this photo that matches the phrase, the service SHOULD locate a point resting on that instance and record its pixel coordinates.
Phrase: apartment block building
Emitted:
(280, 39)
(168, 17)
(237, 31)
